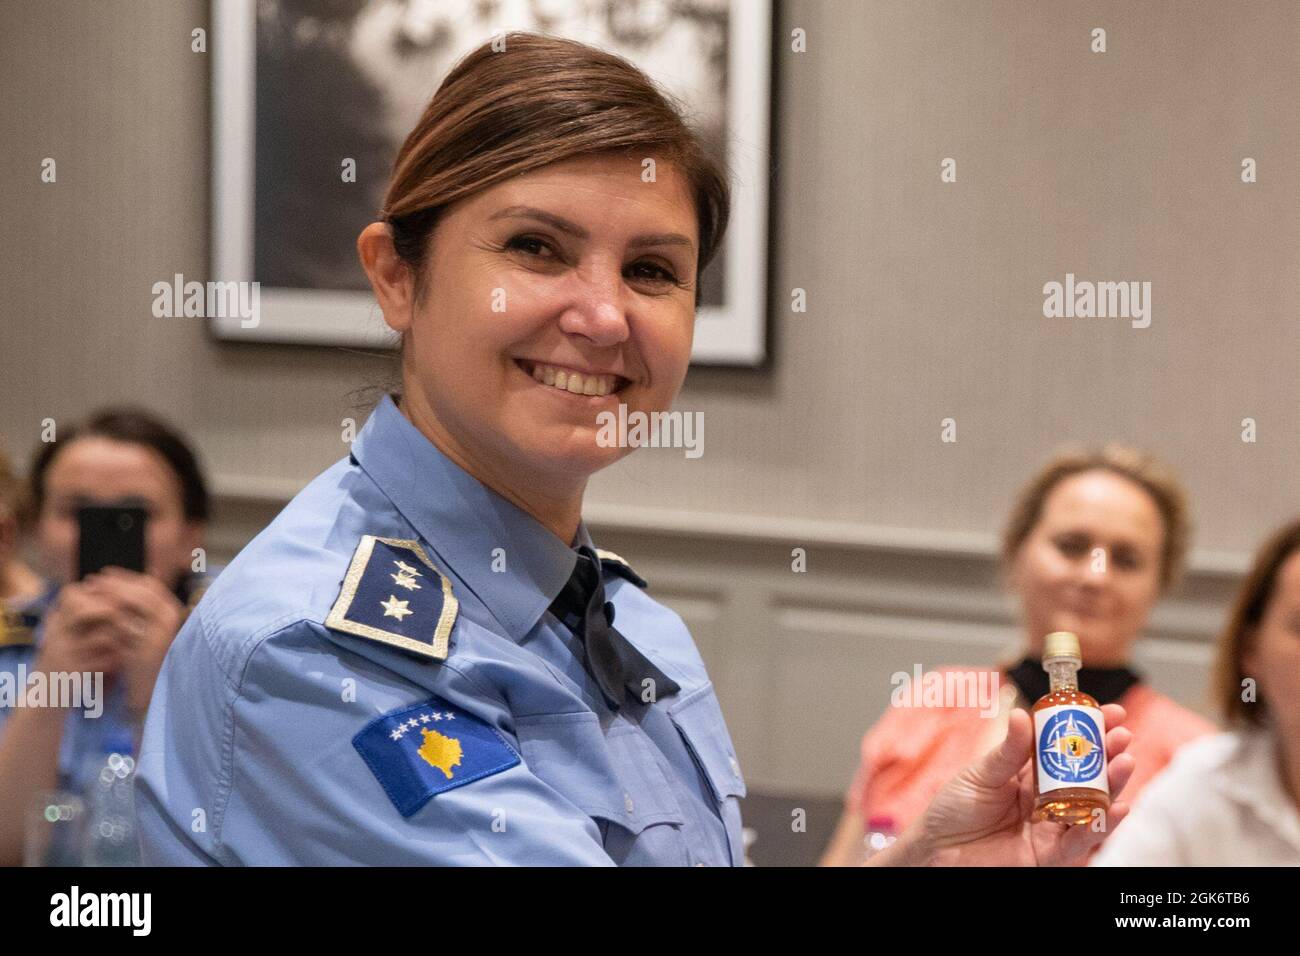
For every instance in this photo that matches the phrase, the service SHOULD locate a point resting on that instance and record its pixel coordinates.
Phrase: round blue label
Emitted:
(1070, 747)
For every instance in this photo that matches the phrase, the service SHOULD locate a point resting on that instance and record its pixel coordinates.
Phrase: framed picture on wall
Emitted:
(300, 87)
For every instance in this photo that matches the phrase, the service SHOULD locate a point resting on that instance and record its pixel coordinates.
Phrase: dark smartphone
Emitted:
(110, 535)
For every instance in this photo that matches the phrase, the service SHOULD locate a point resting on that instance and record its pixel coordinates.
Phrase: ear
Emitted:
(390, 277)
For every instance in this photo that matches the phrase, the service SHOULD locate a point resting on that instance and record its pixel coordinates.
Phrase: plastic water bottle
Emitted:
(111, 838)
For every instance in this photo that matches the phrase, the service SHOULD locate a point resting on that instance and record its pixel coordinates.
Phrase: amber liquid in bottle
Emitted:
(1068, 804)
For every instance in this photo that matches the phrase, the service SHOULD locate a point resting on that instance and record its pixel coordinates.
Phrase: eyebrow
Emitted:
(573, 229)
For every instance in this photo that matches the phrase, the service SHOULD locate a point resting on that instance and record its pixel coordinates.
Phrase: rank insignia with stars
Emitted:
(393, 594)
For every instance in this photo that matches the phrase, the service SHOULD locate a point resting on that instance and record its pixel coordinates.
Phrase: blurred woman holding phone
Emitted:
(114, 605)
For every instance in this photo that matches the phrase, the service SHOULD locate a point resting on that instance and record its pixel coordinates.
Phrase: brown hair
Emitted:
(1144, 470)
(14, 498)
(132, 426)
(1243, 623)
(537, 101)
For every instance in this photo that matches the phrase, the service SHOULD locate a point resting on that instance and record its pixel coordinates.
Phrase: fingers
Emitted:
(140, 594)
(1080, 840)
(1118, 772)
(1117, 741)
(143, 609)
(1114, 714)
(1006, 760)
(1119, 765)
(1116, 814)
(89, 610)
(80, 606)
(90, 647)
(98, 651)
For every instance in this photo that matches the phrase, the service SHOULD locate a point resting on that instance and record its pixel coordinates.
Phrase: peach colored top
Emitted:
(911, 752)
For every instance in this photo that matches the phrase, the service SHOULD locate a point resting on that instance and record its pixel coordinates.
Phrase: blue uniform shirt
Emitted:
(87, 730)
(377, 679)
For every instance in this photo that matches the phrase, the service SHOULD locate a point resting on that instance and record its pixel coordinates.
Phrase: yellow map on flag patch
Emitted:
(439, 750)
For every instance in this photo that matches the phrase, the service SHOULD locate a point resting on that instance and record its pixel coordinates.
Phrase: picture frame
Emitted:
(260, 194)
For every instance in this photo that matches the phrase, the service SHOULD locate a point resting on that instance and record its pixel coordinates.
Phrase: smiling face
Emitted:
(548, 299)
(1091, 565)
(1273, 658)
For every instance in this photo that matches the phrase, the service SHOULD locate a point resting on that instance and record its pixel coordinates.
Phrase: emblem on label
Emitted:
(1071, 748)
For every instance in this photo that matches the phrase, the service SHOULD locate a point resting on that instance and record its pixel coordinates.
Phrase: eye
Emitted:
(1072, 545)
(1127, 558)
(657, 273)
(531, 245)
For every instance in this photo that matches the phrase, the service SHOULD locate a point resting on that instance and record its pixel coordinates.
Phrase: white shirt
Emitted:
(1220, 802)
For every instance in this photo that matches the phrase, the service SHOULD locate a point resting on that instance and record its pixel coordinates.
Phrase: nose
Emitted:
(597, 311)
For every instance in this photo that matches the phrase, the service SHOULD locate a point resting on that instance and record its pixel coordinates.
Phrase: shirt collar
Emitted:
(463, 521)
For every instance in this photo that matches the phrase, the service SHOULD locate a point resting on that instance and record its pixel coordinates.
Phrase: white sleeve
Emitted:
(1156, 831)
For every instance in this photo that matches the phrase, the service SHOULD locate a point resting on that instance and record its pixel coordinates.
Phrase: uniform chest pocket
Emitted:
(698, 719)
(610, 775)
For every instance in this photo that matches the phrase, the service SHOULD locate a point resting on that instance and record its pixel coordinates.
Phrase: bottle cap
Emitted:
(1061, 645)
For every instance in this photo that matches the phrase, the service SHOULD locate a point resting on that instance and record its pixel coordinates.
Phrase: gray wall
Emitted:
(925, 303)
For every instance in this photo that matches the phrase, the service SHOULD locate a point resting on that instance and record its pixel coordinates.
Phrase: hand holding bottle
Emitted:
(985, 815)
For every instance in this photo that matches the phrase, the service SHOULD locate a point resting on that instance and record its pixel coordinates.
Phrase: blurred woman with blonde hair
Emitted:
(1092, 543)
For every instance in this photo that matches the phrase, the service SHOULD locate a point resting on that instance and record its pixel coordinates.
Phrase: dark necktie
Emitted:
(617, 667)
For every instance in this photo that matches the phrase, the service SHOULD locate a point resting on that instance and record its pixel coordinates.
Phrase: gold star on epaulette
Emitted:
(395, 608)
(404, 580)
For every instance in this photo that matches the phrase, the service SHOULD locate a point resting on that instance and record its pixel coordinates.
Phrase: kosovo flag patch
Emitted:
(418, 751)
(393, 594)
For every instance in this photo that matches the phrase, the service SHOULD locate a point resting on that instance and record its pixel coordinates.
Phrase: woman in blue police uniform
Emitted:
(425, 658)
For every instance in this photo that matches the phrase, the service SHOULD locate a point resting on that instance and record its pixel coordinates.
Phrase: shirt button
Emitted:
(627, 802)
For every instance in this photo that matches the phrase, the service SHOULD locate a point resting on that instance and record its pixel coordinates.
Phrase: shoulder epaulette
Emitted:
(392, 593)
(14, 629)
(610, 561)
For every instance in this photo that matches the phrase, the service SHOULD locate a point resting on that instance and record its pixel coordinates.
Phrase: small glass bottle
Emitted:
(1069, 740)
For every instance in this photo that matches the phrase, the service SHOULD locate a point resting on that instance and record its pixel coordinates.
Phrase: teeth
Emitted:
(574, 382)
